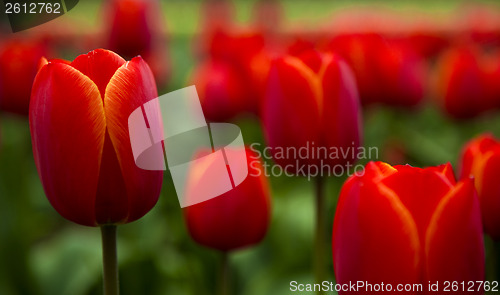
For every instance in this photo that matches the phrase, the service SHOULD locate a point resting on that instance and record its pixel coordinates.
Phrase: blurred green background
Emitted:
(42, 253)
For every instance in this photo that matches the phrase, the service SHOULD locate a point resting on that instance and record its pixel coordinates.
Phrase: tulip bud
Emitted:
(481, 160)
(236, 219)
(406, 225)
(79, 129)
(232, 80)
(221, 91)
(311, 102)
(461, 83)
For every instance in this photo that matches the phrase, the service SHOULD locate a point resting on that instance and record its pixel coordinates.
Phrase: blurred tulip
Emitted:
(481, 160)
(311, 101)
(402, 224)
(134, 27)
(232, 80)
(79, 128)
(462, 83)
(19, 63)
(238, 47)
(233, 220)
(221, 90)
(386, 73)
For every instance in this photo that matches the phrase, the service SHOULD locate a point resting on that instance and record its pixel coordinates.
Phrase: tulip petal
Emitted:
(131, 86)
(67, 126)
(375, 238)
(99, 65)
(488, 188)
(411, 185)
(447, 171)
(454, 241)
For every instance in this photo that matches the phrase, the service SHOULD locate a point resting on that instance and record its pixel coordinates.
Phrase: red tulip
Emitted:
(134, 28)
(233, 220)
(19, 63)
(311, 102)
(402, 224)
(386, 73)
(231, 82)
(481, 160)
(130, 30)
(221, 90)
(79, 128)
(461, 84)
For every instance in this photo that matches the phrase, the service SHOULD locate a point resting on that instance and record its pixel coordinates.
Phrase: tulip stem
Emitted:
(109, 259)
(224, 274)
(319, 243)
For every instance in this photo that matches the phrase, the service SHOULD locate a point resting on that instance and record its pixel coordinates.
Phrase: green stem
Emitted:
(224, 274)
(109, 259)
(320, 234)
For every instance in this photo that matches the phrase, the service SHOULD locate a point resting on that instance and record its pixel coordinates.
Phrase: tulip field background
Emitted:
(42, 253)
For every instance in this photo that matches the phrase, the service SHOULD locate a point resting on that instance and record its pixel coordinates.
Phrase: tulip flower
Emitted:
(311, 99)
(407, 225)
(236, 219)
(461, 83)
(231, 81)
(481, 160)
(242, 53)
(19, 63)
(134, 27)
(312, 104)
(221, 90)
(386, 73)
(79, 129)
